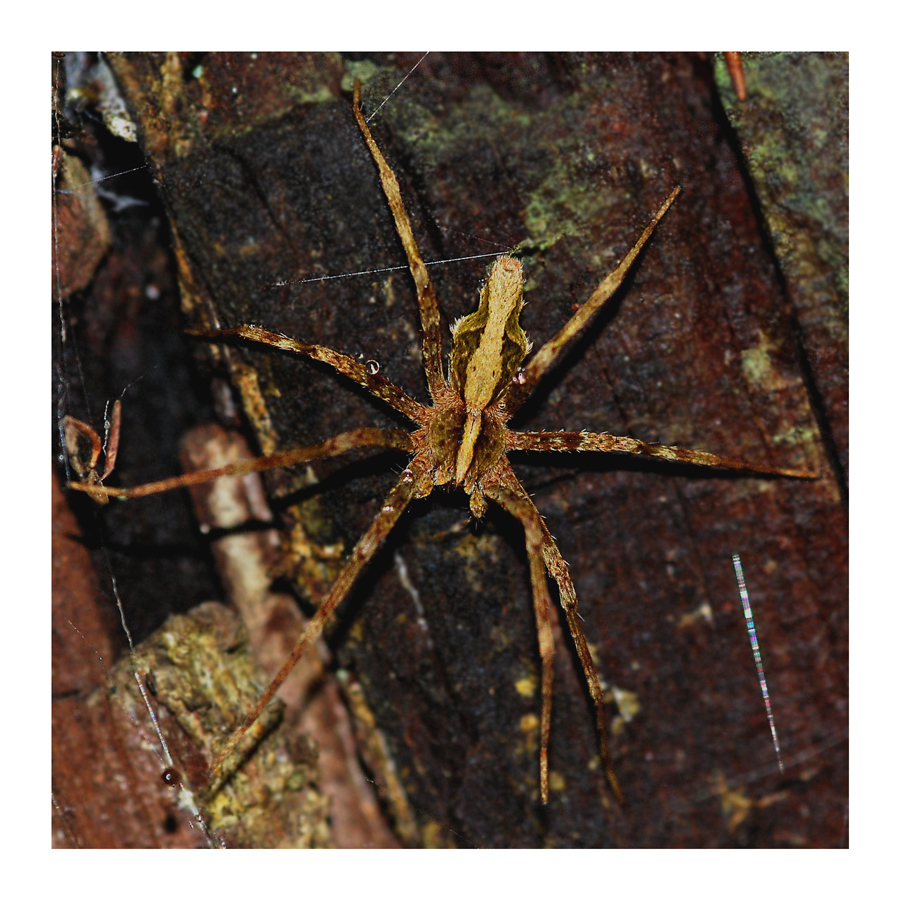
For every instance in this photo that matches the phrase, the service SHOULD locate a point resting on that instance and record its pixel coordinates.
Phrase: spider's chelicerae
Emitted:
(461, 439)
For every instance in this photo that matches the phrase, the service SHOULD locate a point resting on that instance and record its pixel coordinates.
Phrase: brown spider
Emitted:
(461, 439)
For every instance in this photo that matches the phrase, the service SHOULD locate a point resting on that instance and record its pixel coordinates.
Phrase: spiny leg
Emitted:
(568, 441)
(418, 485)
(387, 439)
(376, 384)
(510, 494)
(428, 306)
(546, 356)
(534, 542)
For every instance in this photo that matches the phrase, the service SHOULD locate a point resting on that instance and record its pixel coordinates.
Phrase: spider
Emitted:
(460, 440)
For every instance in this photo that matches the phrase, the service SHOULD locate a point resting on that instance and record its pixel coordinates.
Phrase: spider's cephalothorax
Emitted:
(461, 440)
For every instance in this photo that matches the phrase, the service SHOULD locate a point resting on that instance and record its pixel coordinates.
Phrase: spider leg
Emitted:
(534, 545)
(428, 305)
(376, 384)
(609, 443)
(543, 553)
(388, 439)
(416, 486)
(547, 355)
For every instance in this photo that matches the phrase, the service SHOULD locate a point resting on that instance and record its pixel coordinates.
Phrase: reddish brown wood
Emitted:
(106, 792)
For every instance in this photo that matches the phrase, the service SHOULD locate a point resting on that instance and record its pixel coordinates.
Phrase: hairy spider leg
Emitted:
(345, 365)
(428, 305)
(538, 365)
(534, 543)
(568, 441)
(415, 483)
(384, 438)
(543, 554)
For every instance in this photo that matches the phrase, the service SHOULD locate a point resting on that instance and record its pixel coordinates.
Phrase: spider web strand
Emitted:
(757, 657)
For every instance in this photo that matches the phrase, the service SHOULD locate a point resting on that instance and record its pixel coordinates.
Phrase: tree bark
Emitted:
(264, 179)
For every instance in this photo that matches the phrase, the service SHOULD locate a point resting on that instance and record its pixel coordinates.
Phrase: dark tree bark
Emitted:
(263, 178)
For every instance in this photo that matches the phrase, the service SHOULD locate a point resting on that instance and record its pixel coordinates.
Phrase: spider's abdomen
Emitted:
(489, 344)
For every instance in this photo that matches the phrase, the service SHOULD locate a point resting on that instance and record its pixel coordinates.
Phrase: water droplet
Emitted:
(407, 476)
(171, 777)
(387, 508)
(519, 377)
(372, 366)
